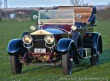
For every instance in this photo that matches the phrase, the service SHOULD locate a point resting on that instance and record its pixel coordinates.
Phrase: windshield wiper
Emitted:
(45, 11)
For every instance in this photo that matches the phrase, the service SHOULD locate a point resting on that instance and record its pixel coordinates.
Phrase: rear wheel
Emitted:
(94, 60)
(67, 62)
(16, 65)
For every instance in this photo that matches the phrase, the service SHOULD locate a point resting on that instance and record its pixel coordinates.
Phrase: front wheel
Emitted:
(67, 62)
(16, 65)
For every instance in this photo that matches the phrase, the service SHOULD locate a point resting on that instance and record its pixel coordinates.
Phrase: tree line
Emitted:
(104, 14)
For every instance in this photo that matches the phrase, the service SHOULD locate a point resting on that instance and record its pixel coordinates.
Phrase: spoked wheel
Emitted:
(76, 58)
(16, 65)
(67, 62)
(94, 60)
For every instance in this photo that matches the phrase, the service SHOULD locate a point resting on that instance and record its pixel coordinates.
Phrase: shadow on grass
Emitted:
(85, 64)
(33, 68)
(104, 58)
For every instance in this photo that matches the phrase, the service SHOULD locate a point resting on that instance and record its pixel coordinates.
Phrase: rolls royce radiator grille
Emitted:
(39, 43)
(38, 37)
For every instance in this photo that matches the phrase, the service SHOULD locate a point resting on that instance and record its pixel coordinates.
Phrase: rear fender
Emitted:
(14, 46)
(64, 44)
(93, 40)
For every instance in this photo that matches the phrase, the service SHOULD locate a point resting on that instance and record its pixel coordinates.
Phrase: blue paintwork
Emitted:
(54, 31)
(65, 27)
(25, 33)
(14, 46)
(92, 14)
(64, 44)
(94, 39)
(79, 24)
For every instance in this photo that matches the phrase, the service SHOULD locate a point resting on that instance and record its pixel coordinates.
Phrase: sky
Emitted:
(48, 3)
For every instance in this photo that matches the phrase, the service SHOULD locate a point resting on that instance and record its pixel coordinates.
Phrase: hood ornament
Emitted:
(40, 25)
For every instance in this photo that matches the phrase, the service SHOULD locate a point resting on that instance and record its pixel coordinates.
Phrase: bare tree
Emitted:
(77, 2)
(0, 3)
(86, 4)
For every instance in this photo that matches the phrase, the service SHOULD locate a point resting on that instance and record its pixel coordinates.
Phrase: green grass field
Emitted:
(82, 72)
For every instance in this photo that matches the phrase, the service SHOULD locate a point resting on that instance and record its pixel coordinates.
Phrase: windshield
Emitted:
(56, 16)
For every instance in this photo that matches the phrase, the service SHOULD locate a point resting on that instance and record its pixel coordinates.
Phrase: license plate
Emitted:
(40, 50)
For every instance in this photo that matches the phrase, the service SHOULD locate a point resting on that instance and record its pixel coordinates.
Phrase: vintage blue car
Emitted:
(64, 37)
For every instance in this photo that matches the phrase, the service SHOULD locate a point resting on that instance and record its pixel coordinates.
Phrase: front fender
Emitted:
(64, 44)
(14, 46)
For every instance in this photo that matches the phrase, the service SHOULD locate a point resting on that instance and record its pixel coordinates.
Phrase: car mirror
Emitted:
(35, 17)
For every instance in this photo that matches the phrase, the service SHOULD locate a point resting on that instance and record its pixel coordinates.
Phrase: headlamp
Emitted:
(49, 39)
(27, 39)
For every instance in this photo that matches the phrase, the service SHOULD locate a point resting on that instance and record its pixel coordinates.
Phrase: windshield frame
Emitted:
(70, 21)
